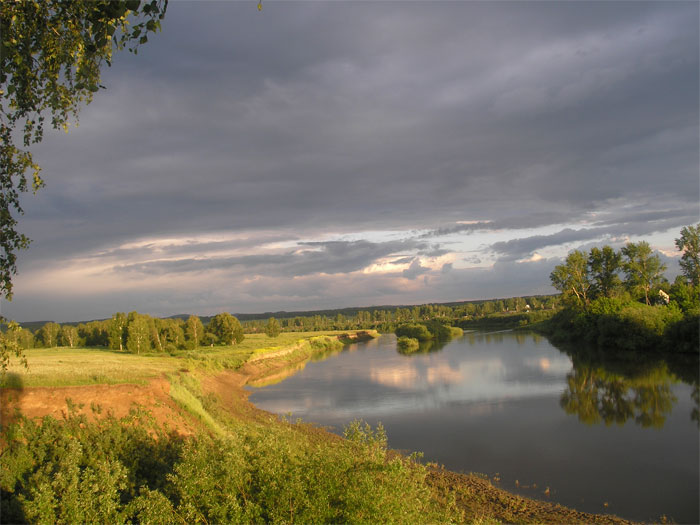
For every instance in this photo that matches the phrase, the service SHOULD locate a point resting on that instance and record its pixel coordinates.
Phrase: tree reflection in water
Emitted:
(425, 347)
(597, 392)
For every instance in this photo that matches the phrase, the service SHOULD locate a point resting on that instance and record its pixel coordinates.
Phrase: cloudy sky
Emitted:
(357, 153)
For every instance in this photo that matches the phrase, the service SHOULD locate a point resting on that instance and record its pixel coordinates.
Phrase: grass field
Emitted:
(64, 366)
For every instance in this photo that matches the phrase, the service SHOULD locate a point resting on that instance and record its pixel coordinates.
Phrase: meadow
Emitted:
(63, 366)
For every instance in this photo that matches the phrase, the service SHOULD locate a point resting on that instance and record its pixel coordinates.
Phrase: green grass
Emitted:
(52, 367)
(187, 392)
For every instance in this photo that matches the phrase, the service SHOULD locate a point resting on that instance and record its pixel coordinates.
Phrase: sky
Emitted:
(328, 154)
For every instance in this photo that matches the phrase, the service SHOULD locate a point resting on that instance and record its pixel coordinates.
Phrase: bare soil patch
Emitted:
(37, 402)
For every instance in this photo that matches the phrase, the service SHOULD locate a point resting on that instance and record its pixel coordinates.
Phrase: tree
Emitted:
(116, 332)
(194, 331)
(572, 279)
(272, 328)
(227, 328)
(48, 335)
(95, 333)
(137, 340)
(644, 270)
(68, 336)
(171, 333)
(604, 266)
(689, 244)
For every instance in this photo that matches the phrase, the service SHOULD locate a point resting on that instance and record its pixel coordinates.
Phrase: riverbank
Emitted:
(193, 399)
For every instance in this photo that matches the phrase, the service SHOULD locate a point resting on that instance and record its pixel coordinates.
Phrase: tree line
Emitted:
(137, 333)
(387, 319)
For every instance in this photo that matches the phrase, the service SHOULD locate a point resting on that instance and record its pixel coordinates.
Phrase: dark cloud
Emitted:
(644, 223)
(331, 257)
(314, 120)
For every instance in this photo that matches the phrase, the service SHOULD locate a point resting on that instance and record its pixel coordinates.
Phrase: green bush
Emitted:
(618, 324)
(439, 331)
(407, 344)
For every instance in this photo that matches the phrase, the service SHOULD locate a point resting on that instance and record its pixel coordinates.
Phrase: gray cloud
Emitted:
(644, 223)
(414, 270)
(332, 257)
(332, 118)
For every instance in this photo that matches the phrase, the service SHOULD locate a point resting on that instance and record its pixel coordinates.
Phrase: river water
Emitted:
(590, 435)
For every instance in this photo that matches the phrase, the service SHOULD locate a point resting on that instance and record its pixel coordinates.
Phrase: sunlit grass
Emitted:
(64, 366)
(186, 390)
(86, 366)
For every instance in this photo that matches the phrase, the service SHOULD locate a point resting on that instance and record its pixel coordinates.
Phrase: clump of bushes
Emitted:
(628, 325)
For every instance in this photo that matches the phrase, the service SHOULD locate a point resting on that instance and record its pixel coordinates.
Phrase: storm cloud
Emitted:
(315, 154)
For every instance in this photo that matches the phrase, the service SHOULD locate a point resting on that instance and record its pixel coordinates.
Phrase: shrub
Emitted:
(407, 344)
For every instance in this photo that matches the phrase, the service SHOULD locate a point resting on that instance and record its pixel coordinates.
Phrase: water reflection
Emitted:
(424, 347)
(595, 394)
(277, 377)
(617, 389)
(375, 379)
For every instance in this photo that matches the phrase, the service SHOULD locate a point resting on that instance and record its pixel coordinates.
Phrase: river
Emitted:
(596, 437)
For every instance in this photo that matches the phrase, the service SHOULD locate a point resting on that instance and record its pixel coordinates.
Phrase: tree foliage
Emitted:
(644, 269)
(194, 331)
(227, 328)
(137, 334)
(272, 328)
(689, 244)
(573, 279)
(605, 265)
(48, 334)
(51, 54)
